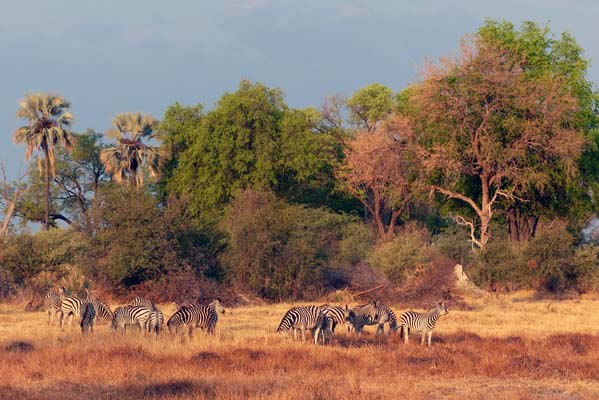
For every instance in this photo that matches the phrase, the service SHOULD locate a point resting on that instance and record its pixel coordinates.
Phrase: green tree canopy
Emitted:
(370, 105)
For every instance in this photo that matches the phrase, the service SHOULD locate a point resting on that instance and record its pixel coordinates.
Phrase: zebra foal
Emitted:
(155, 322)
(424, 323)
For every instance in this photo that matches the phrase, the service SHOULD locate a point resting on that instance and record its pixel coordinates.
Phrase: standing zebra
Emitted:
(304, 318)
(52, 304)
(142, 301)
(422, 322)
(195, 315)
(88, 313)
(337, 315)
(155, 321)
(373, 314)
(102, 310)
(70, 307)
(130, 315)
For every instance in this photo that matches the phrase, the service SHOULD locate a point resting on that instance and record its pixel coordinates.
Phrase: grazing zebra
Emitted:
(373, 314)
(70, 307)
(130, 315)
(422, 322)
(142, 301)
(196, 315)
(155, 321)
(52, 304)
(102, 310)
(336, 315)
(88, 313)
(305, 318)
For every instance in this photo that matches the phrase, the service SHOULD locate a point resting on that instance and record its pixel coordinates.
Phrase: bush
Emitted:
(134, 240)
(356, 242)
(407, 254)
(454, 243)
(277, 250)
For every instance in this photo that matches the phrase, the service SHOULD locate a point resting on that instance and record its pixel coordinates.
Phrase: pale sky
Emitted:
(114, 56)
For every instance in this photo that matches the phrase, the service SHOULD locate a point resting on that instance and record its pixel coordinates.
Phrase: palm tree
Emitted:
(126, 160)
(49, 119)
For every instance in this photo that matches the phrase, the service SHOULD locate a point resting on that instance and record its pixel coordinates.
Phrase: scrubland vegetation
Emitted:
(504, 347)
(488, 159)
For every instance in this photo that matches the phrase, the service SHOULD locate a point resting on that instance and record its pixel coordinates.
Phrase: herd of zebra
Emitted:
(140, 312)
(320, 320)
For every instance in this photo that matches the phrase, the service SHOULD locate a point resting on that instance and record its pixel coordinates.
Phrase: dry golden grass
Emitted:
(507, 347)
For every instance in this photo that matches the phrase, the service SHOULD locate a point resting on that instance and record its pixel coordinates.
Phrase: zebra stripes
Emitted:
(88, 314)
(373, 314)
(102, 310)
(195, 315)
(142, 301)
(336, 315)
(305, 318)
(422, 322)
(130, 315)
(155, 321)
(70, 307)
(52, 304)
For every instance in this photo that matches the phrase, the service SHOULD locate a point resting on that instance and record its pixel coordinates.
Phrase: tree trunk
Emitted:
(47, 177)
(485, 229)
(521, 227)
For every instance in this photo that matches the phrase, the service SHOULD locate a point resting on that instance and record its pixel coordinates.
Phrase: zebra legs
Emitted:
(381, 329)
(405, 334)
(430, 335)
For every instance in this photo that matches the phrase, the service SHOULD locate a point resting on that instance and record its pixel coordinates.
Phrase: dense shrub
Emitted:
(134, 240)
(277, 250)
(406, 254)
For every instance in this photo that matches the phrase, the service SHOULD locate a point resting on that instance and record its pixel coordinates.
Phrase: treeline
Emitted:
(490, 159)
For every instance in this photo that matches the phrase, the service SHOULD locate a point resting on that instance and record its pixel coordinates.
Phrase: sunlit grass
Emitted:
(506, 347)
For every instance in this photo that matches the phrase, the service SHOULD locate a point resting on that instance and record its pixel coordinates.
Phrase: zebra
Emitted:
(310, 317)
(52, 303)
(155, 321)
(335, 315)
(195, 315)
(88, 314)
(142, 301)
(70, 307)
(422, 322)
(130, 315)
(373, 314)
(102, 310)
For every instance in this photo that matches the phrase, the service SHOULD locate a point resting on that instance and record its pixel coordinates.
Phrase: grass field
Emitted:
(506, 348)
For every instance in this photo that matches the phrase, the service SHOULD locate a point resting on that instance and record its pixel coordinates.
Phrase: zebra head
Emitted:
(217, 306)
(442, 307)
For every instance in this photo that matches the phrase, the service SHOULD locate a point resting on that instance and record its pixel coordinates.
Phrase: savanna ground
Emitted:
(506, 347)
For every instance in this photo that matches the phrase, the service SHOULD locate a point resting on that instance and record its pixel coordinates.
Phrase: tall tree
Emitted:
(379, 170)
(370, 105)
(252, 139)
(126, 161)
(561, 56)
(49, 122)
(483, 124)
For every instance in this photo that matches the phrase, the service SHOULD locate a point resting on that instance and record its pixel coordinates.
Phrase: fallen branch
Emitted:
(369, 290)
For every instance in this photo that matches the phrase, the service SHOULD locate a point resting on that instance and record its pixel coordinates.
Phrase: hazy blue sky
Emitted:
(115, 56)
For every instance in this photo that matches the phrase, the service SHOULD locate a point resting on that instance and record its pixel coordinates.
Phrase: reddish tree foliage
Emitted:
(479, 115)
(379, 170)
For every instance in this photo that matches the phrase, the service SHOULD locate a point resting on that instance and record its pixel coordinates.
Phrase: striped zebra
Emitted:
(70, 307)
(102, 310)
(305, 318)
(130, 315)
(195, 315)
(142, 301)
(422, 322)
(155, 321)
(336, 314)
(373, 314)
(88, 314)
(52, 304)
